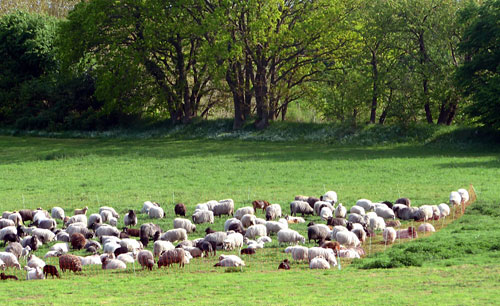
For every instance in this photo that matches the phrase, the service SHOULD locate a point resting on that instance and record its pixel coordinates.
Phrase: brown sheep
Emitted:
(81, 211)
(311, 201)
(260, 204)
(52, 270)
(3, 276)
(180, 209)
(404, 201)
(284, 265)
(336, 221)
(334, 245)
(392, 223)
(78, 241)
(146, 259)
(172, 256)
(248, 251)
(132, 232)
(70, 262)
(27, 214)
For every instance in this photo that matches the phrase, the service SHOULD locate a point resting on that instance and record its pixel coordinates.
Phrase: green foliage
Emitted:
(479, 76)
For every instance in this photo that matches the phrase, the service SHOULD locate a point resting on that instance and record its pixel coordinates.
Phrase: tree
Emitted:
(479, 75)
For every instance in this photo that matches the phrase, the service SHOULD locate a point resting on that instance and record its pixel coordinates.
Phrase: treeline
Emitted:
(109, 63)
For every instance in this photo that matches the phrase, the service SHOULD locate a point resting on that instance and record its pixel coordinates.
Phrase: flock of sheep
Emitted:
(339, 236)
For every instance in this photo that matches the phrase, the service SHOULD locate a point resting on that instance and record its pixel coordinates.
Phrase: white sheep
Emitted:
(77, 228)
(90, 260)
(147, 205)
(126, 258)
(264, 239)
(464, 194)
(230, 222)
(113, 264)
(377, 223)
(252, 244)
(273, 212)
(384, 212)
(230, 261)
(34, 273)
(16, 217)
(107, 230)
(34, 262)
(455, 198)
(336, 229)
(326, 213)
(2, 265)
(340, 211)
(426, 227)
(202, 206)
(240, 212)
(161, 246)
(113, 221)
(319, 204)
(427, 211)
(106, 215)
(300, 207)
(57, 213)
(389, 235)
(233, 241)
(260, 221)
(256, 230)
(366, 204)
(77, 218)
(298, 252)
(7, 230)
(248, 220)
(132, 245)
(326, 254)
(357, 210)
(9, 260)
(156, 212)
(224, 207)
(348, 253)
(39, 216)
(44, 235)
(173, 235)
(319, 263)
(444, 210)
(348, 239)
(6, 223)
(110, 247)
(290, 236)
(61, 247)
(26, 252)
(111, 209)
(185, 224)
(330, 196)
(273, 227)
(203, 216)
(94, 218)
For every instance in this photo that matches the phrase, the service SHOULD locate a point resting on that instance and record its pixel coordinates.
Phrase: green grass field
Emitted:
(457, 265)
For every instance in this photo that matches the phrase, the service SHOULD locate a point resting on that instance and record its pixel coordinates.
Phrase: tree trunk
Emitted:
(424, 59)
(233, 82)
(261, 94)
(373, 113)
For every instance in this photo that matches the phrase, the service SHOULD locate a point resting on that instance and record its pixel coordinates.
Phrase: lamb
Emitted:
(233, 241)
(161, 246)
(389, 235)
(256, 230)
(340, 211)
(299, 253)
(264, 239)
(172, 256)
(111, 209)
(377, 223)
(407, 233)
(248, 220)
(57, 213)
(284, 265)
(357, 210)
(26, 252)
(147, 205)
(156, 213)
(404, 201)
(15, 248)
(385, 212)
(112, 264)
(348, 239)
(185, 224)
(49, 224)
(366, 204)
(119, 250)
(330, 196)
(319, 263)
(130, 219)
(273, 227)
(301, 208)
(9, 260)
(290, 236)
(50, 269)
(173, 235)
(216, 239)
(132, 232)
(326, 254)
(82, 211)
(326, 213)
(111, 247)
(261, 204)
(244, 211)
(444, 210)
(180, 209)
(146, 259)
(44, 235)
(94, 219)
(426, 227)
(77, 218)
(225, 207)
(33, 273)
(203, 216)
(318, 232)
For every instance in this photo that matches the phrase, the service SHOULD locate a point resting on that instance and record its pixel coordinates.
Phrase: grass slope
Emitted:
(73, 173)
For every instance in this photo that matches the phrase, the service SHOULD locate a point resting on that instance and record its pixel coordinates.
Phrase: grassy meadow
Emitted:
(456, 265)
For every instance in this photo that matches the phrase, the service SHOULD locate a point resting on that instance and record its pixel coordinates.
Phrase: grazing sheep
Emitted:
(408, 213)
(357, 210)
(32, 242)
(393, 223)
(203, 216)
(57, 213)
(9, 260)
(127, 258)
(106, 215)
(336, 229)
(256, 230)
(273, 227)
(26, 252)
(156, 212)
(326, 213)
(77, 218)
(173, 235)
(240, 212)
(180, 209)
(217, 239)
(340, 211)
(360, 233)
(404, 201)
(407, 233)
(284, 265)
(91, 260)
(6, 222)
(319, 263)
(130, 219)
(264, 239)
(366, 204)
(49, 224)
(15, 248)
(113, 264)
(111, 209)
(355, 218)
(389, 235)
(119, 250)
(384, 212)
(248, 220)
(194, 251)
(349, 253)
(464, 194)
(311, 201)
(261, 204)
(320, 204)
(70, 262)
(39, 215)
(427, 212)
(299, 253)
(172, 256)
(436, 214)
(94, 219)
(33, 273)
(318, 232)
(207, 248)
(146, 259)
(132, 245)
(34, 261)
(52, 270)
(27, 214)
(290, 236)
(444, 210)
(426, 227)
(377, 223)
(330, 196)
(301, 208)
(326, 254)
(161, 246)
(294, 220)
(233, 241)
(334, 245)
(133, 232)
(148, 230)
(7, 230)
(230, 221)
(185, 224)
(225, 207)
(147, 205)
(107, 230)
(44, 235)
(348, 239)
(61, 247)
(16, 217)
(336, 221)
(82, 211)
